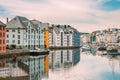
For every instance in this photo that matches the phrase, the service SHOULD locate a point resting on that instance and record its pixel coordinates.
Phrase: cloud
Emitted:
(78, 13)
(3, 11)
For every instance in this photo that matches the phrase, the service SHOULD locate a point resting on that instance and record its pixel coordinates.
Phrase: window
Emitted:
(18, 36)
(7, 30)
(13, 41)
(13, 35)
(29, 31)
(0, 28)
(7, 41)
(3, 28)
(3, 34)
(7, 36)
(3, 41)
(0, 48)
(28, 36)
(13, 30)
(18, 41)
(3, 48)
(0, 41)
(0, 34)
(18, 31)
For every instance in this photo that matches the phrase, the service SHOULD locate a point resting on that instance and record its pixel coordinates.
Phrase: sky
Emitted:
(84, 15)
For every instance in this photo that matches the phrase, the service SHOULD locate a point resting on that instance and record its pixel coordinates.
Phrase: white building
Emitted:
(101, 38)
(60, 35)
(109, 36)
(24, 33)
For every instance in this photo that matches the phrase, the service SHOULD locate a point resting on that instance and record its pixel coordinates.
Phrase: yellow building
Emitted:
(46, 34)
(46, 39)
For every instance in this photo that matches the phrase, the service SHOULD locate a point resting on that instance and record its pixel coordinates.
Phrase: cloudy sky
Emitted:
(85, 15)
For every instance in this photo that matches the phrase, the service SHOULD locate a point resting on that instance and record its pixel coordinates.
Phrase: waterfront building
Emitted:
(85, 38)
(100, 39)
(24, 33)
(2, 37)
(2, 42)
(63, 36)
(76, 38)
(118, 37)
(108, 37)
(40, 36)
(46, 34)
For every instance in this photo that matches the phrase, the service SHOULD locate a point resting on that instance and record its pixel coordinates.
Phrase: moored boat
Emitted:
(111, 50)
(86, 47)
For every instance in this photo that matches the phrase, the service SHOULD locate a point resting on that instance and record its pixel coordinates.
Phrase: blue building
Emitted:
(76, 38)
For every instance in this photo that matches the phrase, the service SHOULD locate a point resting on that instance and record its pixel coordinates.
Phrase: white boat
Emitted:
(86, 47)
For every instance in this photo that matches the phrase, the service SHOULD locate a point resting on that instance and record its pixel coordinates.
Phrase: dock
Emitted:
(13, 53)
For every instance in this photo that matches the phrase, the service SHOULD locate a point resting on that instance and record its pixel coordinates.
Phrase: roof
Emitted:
(66, 28)
(56, 29)
(45, 25)
(2, 24)
(18, 22)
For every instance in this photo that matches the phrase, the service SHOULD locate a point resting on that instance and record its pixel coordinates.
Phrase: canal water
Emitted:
(76, 65)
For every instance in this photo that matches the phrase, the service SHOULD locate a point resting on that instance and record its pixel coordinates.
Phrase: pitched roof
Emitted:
(2, 24)
(45, 25)
(18, 22)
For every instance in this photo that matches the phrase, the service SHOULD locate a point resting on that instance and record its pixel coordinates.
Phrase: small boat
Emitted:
(111, 50)
(86, 47)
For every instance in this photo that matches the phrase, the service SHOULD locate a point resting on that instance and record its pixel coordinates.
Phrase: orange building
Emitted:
(2, 41)
(46, 35)
(2, 37)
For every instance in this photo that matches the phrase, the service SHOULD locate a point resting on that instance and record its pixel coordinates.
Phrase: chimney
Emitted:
(7, 20)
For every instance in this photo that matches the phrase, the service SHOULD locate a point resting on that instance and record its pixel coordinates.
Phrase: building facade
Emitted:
(24, 33)
(2, 37)
(108, 37)
(63, 36)
(2, 42)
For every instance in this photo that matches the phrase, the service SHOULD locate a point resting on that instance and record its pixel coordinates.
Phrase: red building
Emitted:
(2, 41)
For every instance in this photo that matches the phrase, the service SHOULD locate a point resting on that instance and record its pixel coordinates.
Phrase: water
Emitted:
(72, 65)
(88, 67)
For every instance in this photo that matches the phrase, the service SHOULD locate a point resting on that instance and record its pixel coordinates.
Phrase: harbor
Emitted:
(90, 67)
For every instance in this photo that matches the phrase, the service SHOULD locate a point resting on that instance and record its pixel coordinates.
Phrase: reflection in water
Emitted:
(65, 65)
(63, 58)
(25, 68)
(114, 62)
(89, 67)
